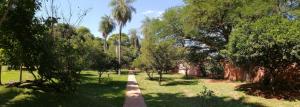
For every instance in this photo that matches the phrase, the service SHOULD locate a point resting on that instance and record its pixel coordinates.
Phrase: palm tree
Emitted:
(107, 25)
(122, 13)
(134, 40)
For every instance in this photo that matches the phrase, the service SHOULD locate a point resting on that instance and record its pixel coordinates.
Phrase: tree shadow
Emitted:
(164, 79)
(189, 77)
(124, 72)
(185, 82)
(180, 100)
(256, 89)
(90, 93)
(8, 94)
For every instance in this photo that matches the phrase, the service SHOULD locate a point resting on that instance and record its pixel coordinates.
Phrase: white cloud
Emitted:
(152, 13)
(161, 13)
(148, 12)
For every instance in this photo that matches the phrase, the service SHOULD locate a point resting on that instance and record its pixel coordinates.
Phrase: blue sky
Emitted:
(98, 8)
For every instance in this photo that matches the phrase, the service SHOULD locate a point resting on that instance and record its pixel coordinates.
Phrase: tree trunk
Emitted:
(148, 74)
(152, 73)
(120, 37)
(160, 77)
(186, 73)
(21, 71)
(105, 45)
(0, 74)
(99, 76)
(34, 76)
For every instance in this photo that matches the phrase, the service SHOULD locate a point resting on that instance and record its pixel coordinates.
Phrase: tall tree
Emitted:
(107, 25)
(20, 29)
(122, 13)
(134, 39)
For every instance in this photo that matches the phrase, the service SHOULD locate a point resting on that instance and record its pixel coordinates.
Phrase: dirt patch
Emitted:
(188, 93)
(217, 81)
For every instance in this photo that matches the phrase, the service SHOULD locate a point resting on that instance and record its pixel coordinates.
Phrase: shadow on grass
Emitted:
(124, 72)
(257, 89)
(189, 77)
(185, 82)
(8, 94)
(89, 94)
(164, 79)
(179, 100)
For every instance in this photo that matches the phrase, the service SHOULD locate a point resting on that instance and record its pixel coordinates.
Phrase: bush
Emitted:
(213, 69)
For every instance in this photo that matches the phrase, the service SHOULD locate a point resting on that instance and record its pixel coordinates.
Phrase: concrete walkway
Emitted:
(134, 96)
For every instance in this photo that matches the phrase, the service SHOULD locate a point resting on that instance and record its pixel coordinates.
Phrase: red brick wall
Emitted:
(234, 73)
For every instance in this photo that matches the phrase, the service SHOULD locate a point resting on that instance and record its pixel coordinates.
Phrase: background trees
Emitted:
(128, 53)
(134, 39)
(202, 31)
(56, 51)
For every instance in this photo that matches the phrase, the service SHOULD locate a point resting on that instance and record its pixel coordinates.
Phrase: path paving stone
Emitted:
(134, 96)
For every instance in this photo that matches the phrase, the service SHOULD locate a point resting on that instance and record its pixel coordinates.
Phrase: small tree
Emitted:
(142, 63)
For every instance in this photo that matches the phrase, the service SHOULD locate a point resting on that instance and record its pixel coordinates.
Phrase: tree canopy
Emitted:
(271, 42)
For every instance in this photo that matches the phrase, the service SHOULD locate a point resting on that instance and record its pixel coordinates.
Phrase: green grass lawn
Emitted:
(178, 92)
(13, 76)
(109, 93)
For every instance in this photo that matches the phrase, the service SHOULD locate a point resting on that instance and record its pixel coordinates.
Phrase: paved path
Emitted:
(134, 96)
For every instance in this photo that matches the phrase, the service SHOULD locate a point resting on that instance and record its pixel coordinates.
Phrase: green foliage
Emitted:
(271, 42)
(107, 25)
(207, 92)
(212, 21)
(60, 61)
(57, 51)
(128, 54)
(164, 56)
(1, 56)
(134, 39)
(158, 51)
(213, 68)
(122, 11)
(171, 25)
(20, 33)
(113, 40)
